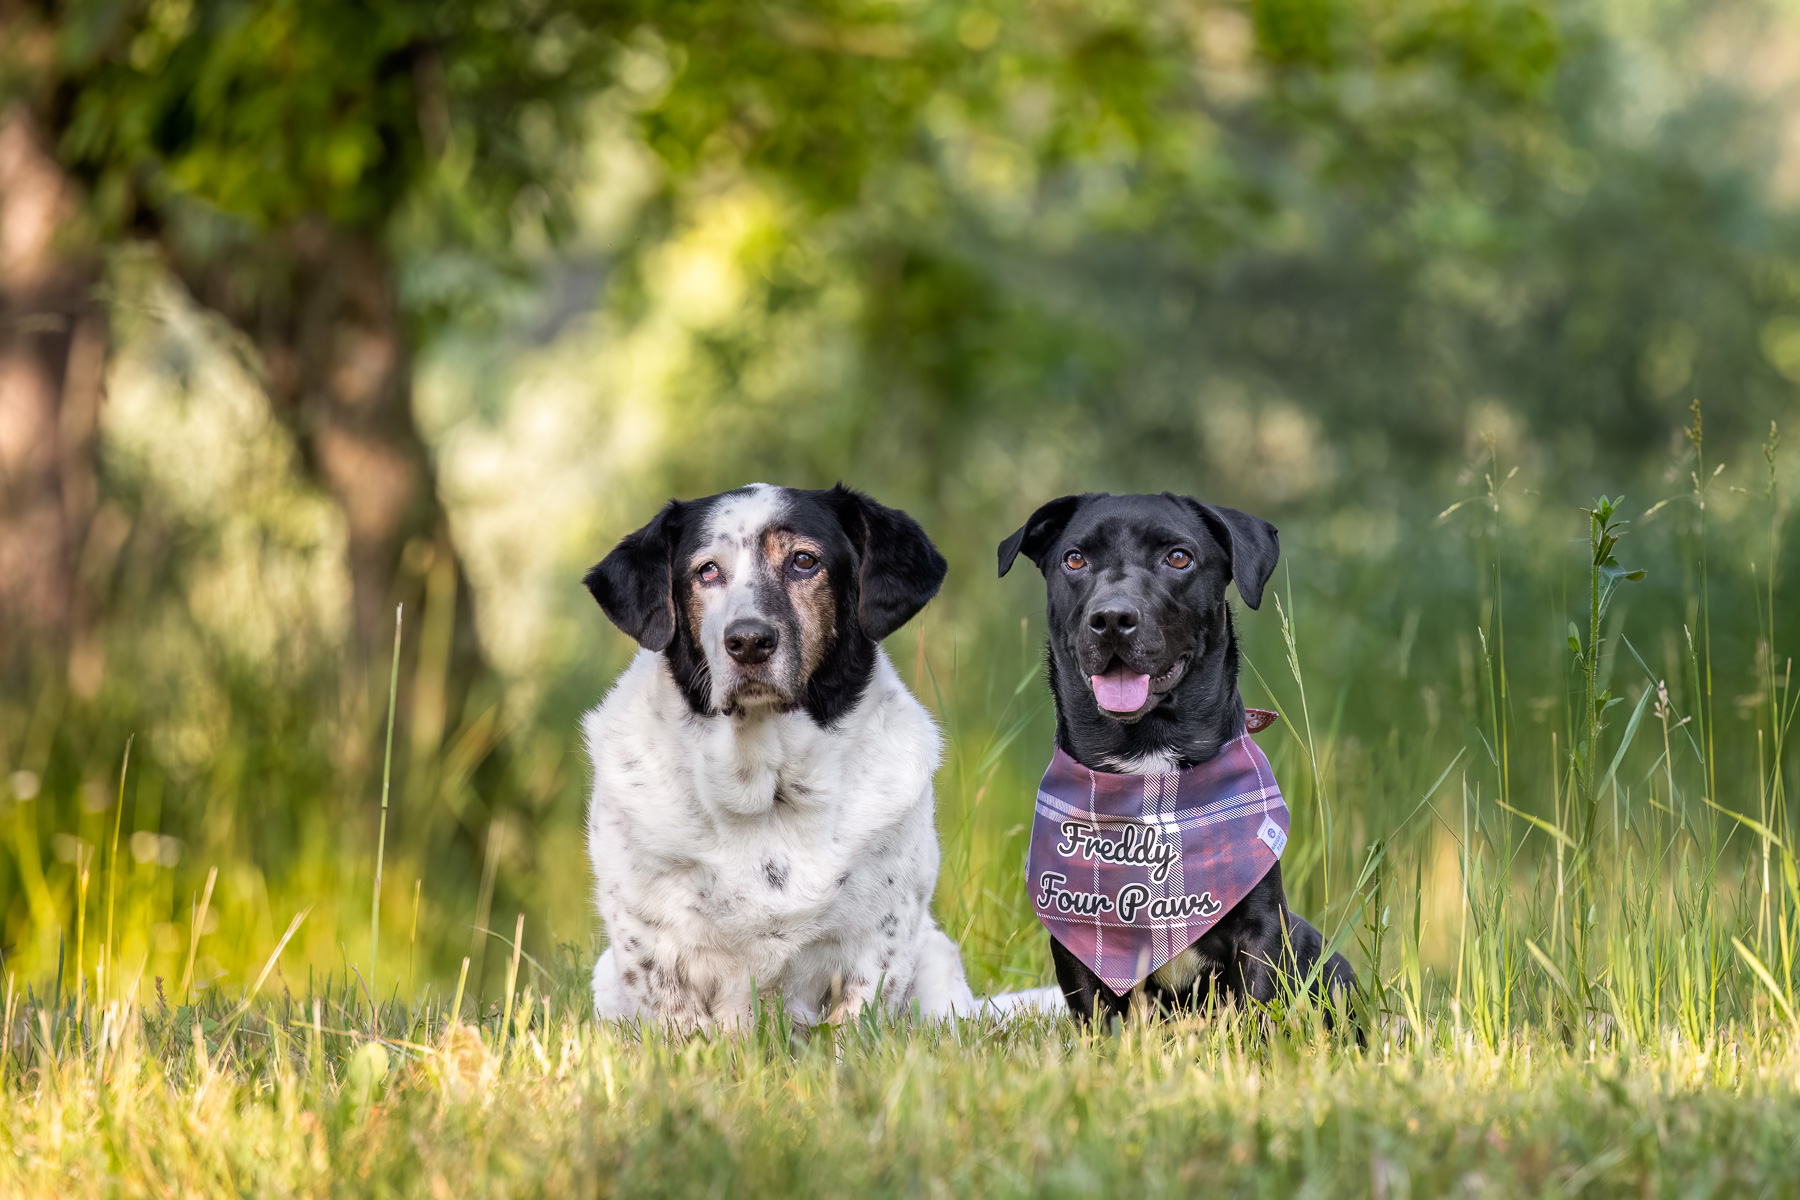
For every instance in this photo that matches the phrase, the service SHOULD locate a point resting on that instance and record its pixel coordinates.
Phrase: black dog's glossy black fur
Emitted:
(1120, 593)
(882, 567)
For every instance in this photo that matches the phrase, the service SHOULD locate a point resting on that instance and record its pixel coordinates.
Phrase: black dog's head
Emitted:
(1142, 654)
(769, 598)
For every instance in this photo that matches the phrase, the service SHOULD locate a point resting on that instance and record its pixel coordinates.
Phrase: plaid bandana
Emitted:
(1127, 871)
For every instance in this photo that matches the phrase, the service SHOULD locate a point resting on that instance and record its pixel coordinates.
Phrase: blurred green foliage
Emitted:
(274, 112)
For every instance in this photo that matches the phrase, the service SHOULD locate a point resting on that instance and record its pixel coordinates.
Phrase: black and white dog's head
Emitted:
(769, 598)
(1143, 659)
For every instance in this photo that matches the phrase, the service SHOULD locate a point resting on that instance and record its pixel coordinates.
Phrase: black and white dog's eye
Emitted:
(804, 561)
(1181, 560)
(708, 572)
(1074, 560)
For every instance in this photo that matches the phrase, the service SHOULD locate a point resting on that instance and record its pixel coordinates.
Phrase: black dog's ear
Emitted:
(1040, 529)
(900, 570)
(1252, 543)
(634, 584)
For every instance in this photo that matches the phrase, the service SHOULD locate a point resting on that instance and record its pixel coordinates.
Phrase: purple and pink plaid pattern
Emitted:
(1127, 871)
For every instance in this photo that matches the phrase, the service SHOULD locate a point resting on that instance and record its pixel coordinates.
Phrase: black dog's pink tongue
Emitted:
(1121, 689)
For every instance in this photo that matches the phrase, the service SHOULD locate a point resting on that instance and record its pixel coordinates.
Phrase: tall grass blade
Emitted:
(293, 928)
(1625, 739)
(1768, 981)
(387, 772)
(1542, 824)
(194, 932)
(112, 859)
(1551, 969)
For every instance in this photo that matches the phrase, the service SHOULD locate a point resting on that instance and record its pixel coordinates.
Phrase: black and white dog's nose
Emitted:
(1113, 620)
(750, 641)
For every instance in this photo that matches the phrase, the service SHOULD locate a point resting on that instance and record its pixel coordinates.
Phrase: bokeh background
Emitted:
(314, 308)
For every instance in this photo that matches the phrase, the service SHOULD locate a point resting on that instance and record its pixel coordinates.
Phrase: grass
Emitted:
(325, 1098)
(1574, 908)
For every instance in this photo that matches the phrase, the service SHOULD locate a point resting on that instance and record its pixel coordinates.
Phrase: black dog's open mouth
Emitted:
(1127, 694)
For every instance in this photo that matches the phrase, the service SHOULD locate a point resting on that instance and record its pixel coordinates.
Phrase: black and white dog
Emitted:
(1143, 664)
(762, 812)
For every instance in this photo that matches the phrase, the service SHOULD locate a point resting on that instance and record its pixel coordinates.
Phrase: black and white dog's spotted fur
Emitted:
(762, 812)
(1136, 588)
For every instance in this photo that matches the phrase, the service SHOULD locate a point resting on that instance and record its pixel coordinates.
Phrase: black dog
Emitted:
(1144, 667)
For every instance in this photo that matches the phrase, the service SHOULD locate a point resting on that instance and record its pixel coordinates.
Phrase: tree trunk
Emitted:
(321, 305)
(52, 352)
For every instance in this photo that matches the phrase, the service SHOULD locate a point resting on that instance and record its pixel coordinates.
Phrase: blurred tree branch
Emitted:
(268, 151)
(52, 345)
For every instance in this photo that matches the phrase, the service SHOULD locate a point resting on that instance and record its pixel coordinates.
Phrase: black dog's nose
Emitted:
(1117, 620)
(750, 641)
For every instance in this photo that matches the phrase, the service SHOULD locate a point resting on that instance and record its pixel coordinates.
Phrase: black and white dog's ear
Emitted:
(899, 570)
(634, 583)
(1033, 538)
(1252, 543)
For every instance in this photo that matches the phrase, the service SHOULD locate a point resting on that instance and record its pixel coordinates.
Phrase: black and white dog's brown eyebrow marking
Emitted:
(806, 629)
(809, 594)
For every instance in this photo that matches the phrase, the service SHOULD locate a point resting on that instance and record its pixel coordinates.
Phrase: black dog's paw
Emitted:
(1335, 988)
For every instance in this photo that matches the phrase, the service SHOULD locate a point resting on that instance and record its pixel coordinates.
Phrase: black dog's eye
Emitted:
(708, 572)
(805, 561)
(1181, 560)
(1074, 560)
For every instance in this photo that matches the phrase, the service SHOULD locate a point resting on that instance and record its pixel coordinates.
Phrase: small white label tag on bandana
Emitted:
(1273, 835)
